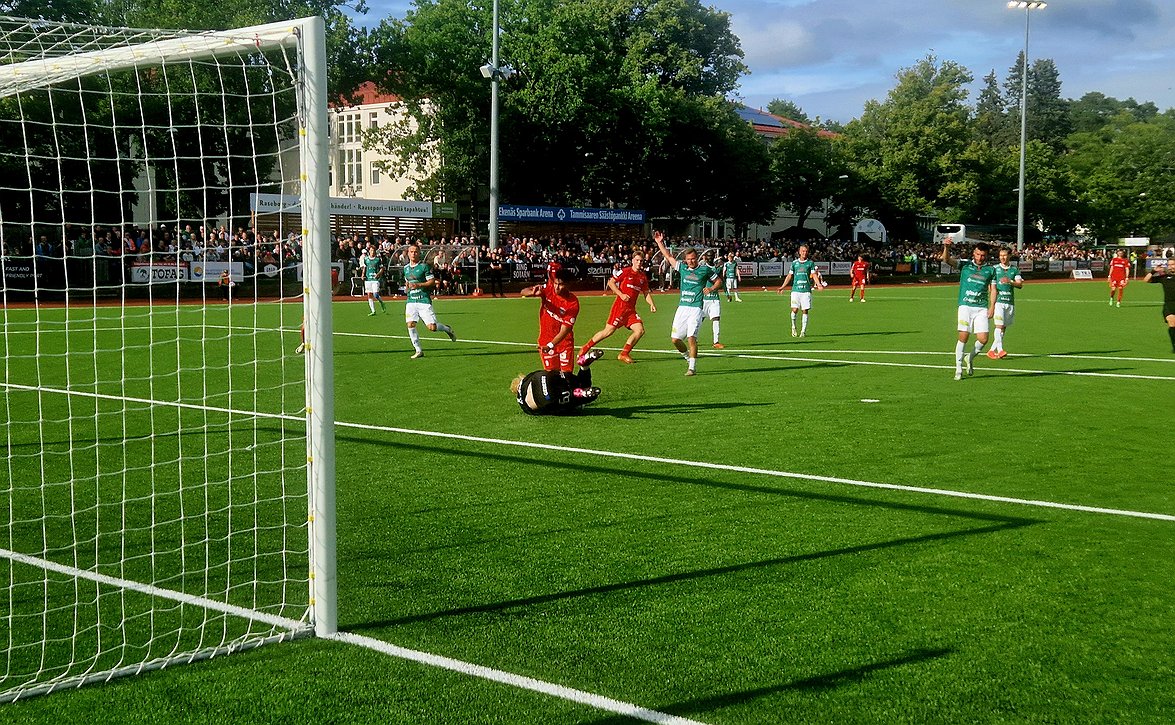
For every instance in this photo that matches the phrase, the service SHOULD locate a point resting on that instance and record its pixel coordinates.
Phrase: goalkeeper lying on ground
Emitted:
(547, 392)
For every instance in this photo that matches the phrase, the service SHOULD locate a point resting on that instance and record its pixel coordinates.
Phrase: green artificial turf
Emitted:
(750, 589)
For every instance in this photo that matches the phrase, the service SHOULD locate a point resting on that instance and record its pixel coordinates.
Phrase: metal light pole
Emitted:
(494, 73)
(1028, 6)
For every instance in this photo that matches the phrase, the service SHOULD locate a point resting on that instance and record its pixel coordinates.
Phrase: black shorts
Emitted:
(1167, 312)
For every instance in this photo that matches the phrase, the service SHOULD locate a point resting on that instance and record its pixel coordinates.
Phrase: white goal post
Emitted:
(167, 412)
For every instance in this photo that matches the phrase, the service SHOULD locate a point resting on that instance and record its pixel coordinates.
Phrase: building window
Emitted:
(374, 174)
(373, 120)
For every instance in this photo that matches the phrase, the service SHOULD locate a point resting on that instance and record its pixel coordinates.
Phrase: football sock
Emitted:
(804, 324)
(414, 336)
(587, 346)
(693, 361)
(444, 328)
(978, 348)
(998, 344)
(715, 322)
(626, 349)
(371, 303)
(793, 319)
(959, 347)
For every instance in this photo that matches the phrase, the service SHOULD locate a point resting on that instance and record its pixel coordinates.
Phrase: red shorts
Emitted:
(858, 281)
(623, 317)
(562, 359)
(1115, 283)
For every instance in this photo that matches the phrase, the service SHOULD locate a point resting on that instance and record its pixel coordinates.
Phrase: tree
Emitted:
(993, 124)
(788, 109)
(807, 166)
(617, 102)
(906, 147)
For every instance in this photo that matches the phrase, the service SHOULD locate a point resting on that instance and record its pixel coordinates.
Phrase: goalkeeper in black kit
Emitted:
(554, 392)
(1166, 277)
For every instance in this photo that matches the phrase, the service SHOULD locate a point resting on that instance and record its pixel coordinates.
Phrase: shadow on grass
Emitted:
(997, 523)
(672, 409)
(818, 682)
(783, 367)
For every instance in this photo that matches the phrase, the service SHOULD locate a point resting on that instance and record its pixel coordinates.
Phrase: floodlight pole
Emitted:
(1028, 6)
(495, 75)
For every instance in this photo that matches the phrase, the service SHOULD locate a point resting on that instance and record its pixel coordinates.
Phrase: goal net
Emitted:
(167, 488)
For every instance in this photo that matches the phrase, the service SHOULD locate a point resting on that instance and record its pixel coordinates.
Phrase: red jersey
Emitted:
(1119, 268)
(556, 311)
(632, 282)
(859, 269)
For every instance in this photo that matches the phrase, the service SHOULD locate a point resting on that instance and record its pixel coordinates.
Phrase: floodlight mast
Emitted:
(1028, 6)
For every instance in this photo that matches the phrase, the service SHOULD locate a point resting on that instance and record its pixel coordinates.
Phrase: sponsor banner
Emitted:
(21, 273)
(569, 215)
(1055, 265)
(901, 267)
(599, 270)
(351, 206)
(1069, 265)
(770, 269)
(944, 268)
(885, 267)
(842, 268)
(158, 273)
(1040, 265)
(1082, 274)
(338, 267)
(823, 268)
(1083, 264)
(270, 270)
(748, 269)
(1097, 265)
(210, 271)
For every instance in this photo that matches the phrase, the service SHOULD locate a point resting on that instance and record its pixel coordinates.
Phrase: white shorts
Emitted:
(1005, 314)
(420, 312)
(371, 286)
(710, 309)
(973, 319)
(731, 283)
(801, 300)
(686, 322)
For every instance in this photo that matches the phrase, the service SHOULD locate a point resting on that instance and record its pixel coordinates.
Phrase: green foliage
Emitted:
(807, 166)
(788, 109)
(617, 101)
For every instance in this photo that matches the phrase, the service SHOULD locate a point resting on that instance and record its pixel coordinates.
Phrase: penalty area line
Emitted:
(766, 472)
(513, 680)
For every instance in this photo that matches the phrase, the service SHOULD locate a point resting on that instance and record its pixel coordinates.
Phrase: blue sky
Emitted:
(831, 56)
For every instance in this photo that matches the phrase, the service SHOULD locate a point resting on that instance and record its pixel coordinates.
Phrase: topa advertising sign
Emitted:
(158, 273)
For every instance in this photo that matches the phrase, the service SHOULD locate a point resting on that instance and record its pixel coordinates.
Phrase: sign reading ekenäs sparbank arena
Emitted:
(569, 215)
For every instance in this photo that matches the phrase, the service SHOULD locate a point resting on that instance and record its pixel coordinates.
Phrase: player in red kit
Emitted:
(556, 319)
(1119, 275)
(627, 284)
(858, 274)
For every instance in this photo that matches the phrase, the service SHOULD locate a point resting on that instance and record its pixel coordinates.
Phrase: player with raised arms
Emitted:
(556, 319)
(976, 302)
(696, 280)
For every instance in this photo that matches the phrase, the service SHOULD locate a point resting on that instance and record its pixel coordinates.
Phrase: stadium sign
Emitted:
(158, 273)
(354, 206)
(569, 215)
(770, 269)
(210, 271)
(842, 268)
(21, 273)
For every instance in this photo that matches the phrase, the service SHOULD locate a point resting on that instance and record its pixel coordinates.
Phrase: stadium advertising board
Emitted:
(569, 215)
(748, 269)
(21, 274)
(1097, 265)
(599, 270)
(770, 269)
(354, 206)
(211, 271)
(824, 268)
(842, 268)
(1055, 265)
(887, 267)
(158, 273)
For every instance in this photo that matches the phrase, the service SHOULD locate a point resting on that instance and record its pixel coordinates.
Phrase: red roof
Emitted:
(367, 94)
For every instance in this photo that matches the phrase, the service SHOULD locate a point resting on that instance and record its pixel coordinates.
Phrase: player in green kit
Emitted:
(373, 272)
(418, 284)
(1007, 281)
(696, 280)
(977, 296)
(712, 310)
(730, 277)
(804, 277)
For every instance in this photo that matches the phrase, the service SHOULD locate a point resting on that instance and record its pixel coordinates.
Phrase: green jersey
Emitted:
(418, 273)
(1005, 293)
(372, 268)
(974, 284)
(730, 270)
(693, 281)
(801, 270)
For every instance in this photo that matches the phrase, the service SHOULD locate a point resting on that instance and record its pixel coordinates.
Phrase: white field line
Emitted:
(763, 472)
(627, 456)
(520, 681)
(1001, 369)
